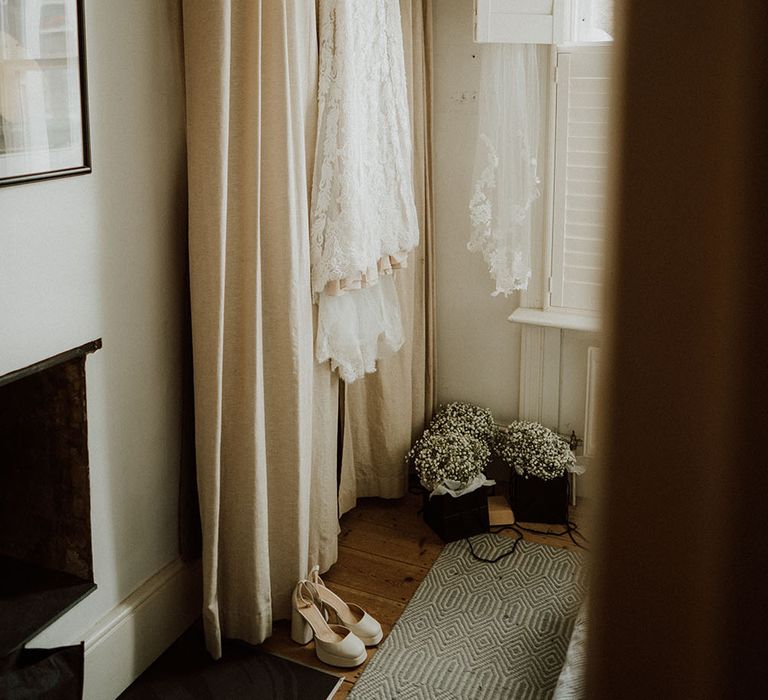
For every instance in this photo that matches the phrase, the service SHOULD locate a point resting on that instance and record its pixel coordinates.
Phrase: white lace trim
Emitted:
(504, 259)
(386, 266)
(356, 329)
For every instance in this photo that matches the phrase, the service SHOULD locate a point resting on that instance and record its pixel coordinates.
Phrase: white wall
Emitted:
(478, 350)
(102, 255)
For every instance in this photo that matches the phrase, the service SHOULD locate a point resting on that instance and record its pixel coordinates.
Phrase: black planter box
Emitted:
(456, 518)
(535, 500)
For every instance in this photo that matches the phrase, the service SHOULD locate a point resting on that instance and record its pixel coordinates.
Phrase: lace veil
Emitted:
(506, 182)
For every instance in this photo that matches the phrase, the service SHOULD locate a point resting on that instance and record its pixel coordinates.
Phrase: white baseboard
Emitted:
(120, 646)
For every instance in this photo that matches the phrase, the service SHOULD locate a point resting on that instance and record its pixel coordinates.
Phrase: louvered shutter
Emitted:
(580, 179)
(522, 21)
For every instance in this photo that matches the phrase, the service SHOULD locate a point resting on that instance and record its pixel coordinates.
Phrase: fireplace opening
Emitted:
(46, 563)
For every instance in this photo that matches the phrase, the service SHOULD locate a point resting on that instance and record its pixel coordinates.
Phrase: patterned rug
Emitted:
(476, 631)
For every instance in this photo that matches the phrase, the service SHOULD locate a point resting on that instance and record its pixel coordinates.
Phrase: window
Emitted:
(581, 33)
(580, 137)
(592, 20)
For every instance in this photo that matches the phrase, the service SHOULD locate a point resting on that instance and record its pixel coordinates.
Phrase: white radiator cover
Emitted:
(590, 411)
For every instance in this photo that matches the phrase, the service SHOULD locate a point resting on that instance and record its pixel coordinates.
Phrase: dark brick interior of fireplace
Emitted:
(46, 564)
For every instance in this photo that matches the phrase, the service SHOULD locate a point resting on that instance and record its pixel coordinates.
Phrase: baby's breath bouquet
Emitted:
(467, 419)
(533, 450)
(448, 456)
(453, 452)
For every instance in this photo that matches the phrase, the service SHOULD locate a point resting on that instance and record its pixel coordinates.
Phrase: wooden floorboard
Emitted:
(397, 514)
(385, 551)
(400, 545)
(382, 576)
(344, 690)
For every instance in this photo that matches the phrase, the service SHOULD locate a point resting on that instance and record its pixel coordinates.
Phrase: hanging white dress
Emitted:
(363, 215)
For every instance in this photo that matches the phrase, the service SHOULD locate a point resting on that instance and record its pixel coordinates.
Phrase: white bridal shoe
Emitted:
(334, 644)
(350, 615)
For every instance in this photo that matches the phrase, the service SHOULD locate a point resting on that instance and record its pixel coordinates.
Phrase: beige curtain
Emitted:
(265, 412)
(386, 410)
(679, 600)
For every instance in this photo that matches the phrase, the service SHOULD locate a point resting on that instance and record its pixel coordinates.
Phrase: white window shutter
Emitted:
(522, 21)
(580, 179)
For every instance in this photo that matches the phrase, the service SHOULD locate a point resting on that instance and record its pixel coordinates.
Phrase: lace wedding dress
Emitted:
(363, 214)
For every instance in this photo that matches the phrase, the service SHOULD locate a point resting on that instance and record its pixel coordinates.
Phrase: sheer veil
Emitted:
(506, 182)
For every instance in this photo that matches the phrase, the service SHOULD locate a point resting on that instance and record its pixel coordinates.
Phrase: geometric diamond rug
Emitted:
(478, 631)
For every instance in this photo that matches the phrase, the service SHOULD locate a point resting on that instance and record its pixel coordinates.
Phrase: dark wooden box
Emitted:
(535, 500)
(456, 518)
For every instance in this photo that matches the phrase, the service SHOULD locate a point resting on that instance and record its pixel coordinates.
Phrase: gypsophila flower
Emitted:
(456, 446)
(533, 450)
(440, 455)
(465, 418)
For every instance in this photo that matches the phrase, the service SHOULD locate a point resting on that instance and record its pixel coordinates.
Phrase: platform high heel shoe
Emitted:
(352, 616)
(335, 645)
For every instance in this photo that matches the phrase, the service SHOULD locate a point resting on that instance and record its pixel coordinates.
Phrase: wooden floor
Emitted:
(385, 550)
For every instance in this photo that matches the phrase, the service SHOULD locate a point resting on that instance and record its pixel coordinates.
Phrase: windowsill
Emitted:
(570, 321)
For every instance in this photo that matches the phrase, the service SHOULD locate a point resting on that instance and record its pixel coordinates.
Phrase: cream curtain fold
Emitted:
(385, 410)
(265, 411)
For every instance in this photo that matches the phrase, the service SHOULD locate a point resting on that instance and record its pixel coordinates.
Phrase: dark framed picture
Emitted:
(43, 90)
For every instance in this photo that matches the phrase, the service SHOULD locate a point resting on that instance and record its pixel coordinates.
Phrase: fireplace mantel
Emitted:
(80, 351)
(46, 557)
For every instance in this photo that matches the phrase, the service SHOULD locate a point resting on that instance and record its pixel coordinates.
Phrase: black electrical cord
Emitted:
(501, 556)
(570, 529)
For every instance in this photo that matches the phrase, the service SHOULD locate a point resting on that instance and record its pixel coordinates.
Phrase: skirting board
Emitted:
(120, 646)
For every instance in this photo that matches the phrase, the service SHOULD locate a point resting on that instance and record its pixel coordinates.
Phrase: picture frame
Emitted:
(44, 129)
